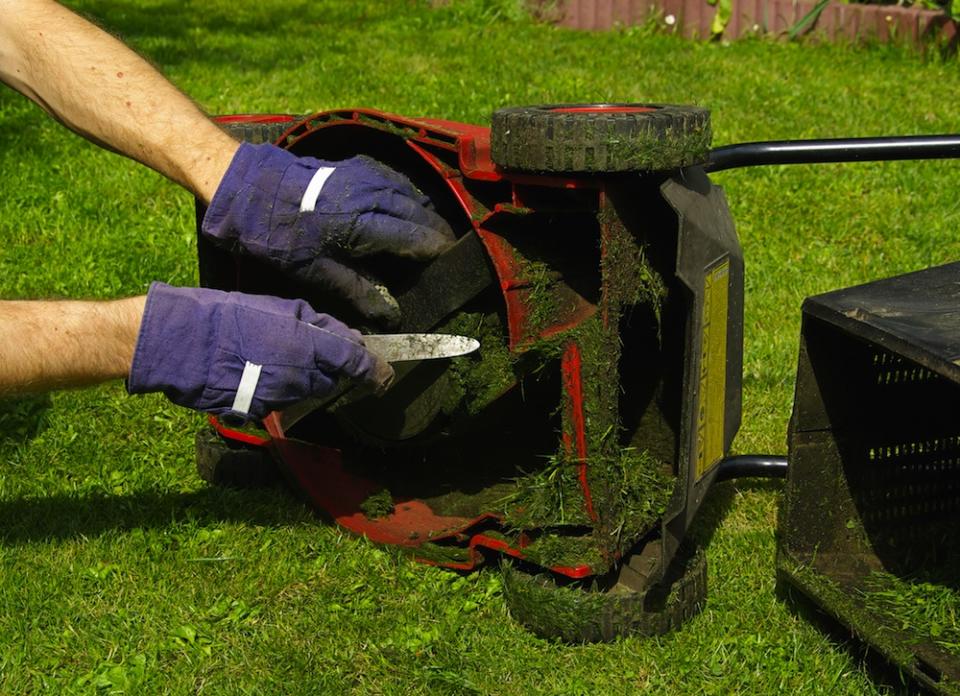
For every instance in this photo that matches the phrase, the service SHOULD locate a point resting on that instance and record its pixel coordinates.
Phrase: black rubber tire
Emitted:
(599, 138)
(576, 615)
(256, 133)
(220, 463)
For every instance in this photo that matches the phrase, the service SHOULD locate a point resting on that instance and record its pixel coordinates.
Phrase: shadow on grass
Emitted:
(881, 671)
(32, 519)
(23, 418)
(20, 132)
(173, 29)
(57, 517)
(718, 502)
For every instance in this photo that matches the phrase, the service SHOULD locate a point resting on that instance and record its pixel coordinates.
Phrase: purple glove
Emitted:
(243, 355)
(307, 216)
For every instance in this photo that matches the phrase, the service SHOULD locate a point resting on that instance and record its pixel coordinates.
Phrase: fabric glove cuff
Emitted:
(175, 321)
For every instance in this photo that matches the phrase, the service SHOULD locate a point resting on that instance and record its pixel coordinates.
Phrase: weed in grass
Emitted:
(115, 677)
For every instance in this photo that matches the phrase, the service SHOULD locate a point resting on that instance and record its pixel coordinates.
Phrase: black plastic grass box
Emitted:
(869, 524)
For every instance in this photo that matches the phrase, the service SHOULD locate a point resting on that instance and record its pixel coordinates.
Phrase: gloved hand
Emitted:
(308, 216)
(243, 355)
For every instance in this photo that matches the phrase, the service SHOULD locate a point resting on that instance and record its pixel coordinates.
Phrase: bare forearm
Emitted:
(101, 89)
(52, 345)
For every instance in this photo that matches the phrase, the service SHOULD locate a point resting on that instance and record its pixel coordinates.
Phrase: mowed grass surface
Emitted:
(120, 571)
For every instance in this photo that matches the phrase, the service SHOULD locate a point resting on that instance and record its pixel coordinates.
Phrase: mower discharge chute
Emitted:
(600, 270)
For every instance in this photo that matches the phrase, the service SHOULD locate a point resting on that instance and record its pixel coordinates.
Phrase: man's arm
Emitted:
(96, 86)
(291, 212)
(224, 353)
(48, 345)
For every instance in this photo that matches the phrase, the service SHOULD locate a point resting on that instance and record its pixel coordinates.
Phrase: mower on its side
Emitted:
(600, 270)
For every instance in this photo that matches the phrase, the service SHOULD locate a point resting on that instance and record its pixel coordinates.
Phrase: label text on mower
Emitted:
(713, 367)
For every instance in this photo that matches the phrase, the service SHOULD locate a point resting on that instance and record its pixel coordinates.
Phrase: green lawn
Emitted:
(121, 571)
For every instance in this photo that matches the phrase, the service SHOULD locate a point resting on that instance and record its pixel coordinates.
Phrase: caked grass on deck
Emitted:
(120, 571)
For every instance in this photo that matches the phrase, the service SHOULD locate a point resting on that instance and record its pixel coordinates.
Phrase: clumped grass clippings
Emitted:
(639, 490)
(588, 611)
(551, 496)
(433, 552)
(631, 489)
(628, 273)
(922, 610)
(480, 378)
(377, 505)
(544, 305)
(565, 550)
(664, 138)
(643, 490)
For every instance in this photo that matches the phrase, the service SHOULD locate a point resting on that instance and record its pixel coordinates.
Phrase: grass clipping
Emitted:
(926, 610)
(629, 489)
(635, 492)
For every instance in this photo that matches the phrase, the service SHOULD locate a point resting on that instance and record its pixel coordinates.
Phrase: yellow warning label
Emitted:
(713, 367)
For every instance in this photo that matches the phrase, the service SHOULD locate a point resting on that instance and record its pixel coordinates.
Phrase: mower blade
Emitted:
(418, 346)
(445, 285)
(391, 348)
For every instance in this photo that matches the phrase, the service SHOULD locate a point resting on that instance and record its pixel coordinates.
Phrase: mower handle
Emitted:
(904, 147)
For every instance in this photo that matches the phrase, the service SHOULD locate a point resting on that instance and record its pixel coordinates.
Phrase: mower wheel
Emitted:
(220, 463)
(253, 132)
(599, 138)
(575, 614)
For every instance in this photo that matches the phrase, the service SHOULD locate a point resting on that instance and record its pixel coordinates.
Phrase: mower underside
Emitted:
(583, 435)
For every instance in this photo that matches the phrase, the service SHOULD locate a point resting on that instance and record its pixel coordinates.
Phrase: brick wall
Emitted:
(692, 18)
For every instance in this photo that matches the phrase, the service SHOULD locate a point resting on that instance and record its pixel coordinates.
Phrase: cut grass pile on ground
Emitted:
(921, 610)
(119, 570)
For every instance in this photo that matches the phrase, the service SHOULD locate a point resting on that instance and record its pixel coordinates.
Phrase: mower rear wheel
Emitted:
(583, 615)
(599, 138)
(233, 465)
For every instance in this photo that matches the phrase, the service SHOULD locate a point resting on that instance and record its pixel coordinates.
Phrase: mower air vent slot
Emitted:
(891, 369)
(898, 483)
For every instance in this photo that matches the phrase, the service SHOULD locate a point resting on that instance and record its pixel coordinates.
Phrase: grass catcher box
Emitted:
(871, 513)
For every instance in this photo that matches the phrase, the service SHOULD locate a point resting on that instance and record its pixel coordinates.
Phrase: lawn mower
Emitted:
(600, 270)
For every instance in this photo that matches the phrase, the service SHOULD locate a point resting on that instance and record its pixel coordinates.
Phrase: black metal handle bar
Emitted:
(833, 150)
(752, 466)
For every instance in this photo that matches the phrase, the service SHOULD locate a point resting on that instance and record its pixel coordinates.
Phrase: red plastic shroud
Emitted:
(256, 118)
(319, 471)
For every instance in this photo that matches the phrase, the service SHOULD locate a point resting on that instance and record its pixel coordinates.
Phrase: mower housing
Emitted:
(582, 438)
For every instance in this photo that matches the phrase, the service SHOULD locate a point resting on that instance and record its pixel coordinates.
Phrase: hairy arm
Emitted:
(48, 345)
(101, 89)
